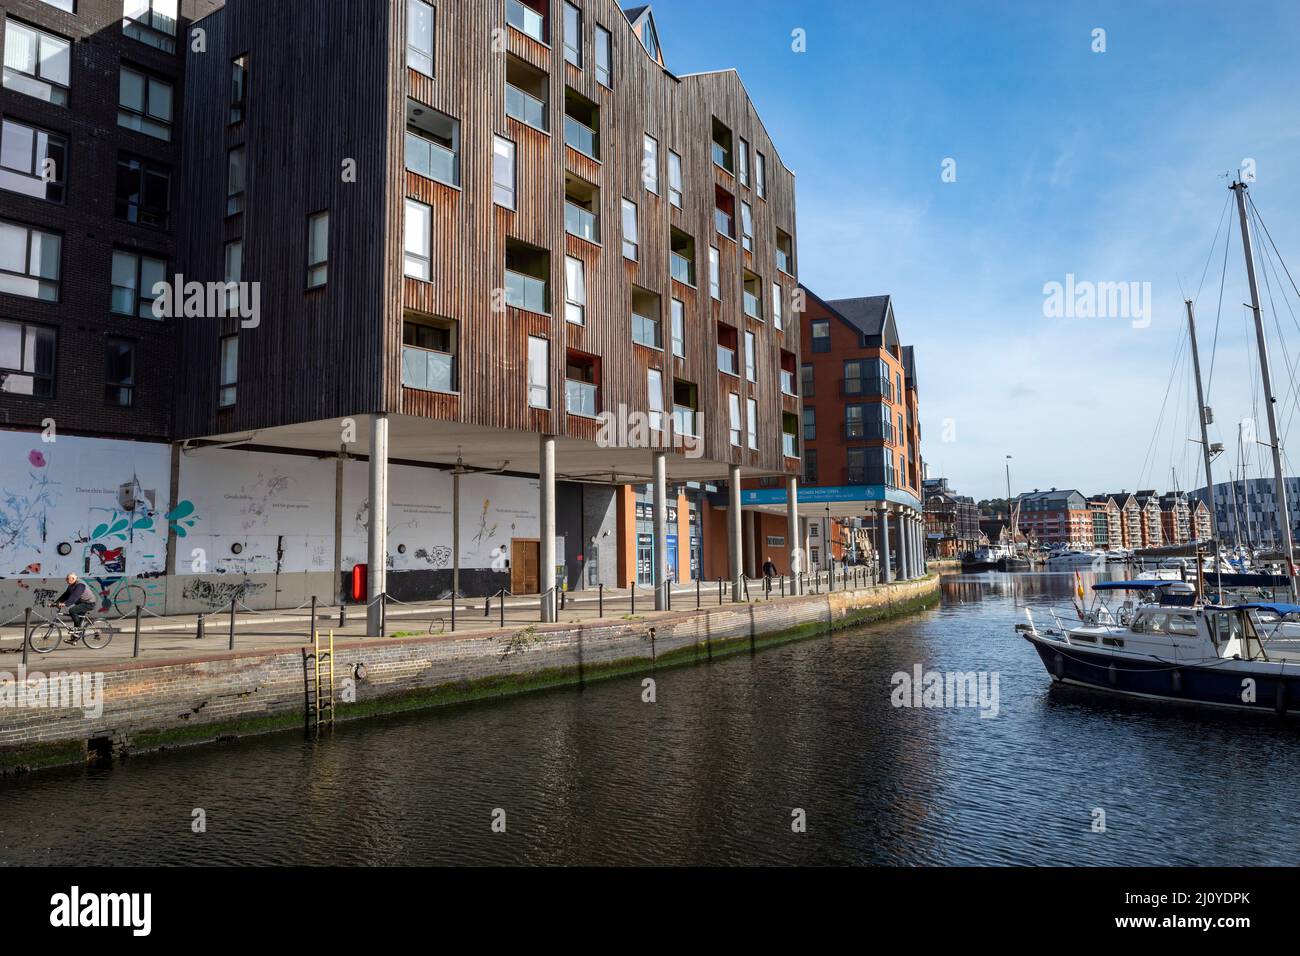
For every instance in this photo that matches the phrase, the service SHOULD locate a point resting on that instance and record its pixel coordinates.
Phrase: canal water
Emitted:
(715, 771)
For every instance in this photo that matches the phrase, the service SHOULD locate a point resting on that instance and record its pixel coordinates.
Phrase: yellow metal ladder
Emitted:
(322, 703)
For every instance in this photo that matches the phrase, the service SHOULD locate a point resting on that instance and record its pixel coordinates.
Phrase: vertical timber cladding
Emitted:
(470, 231)
(316, 99)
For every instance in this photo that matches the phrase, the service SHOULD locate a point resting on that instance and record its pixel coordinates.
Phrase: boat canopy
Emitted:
(1279, 609)
(1237, 580)
(1132, 585)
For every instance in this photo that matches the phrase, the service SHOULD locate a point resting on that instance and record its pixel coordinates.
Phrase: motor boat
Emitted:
(1077, 561)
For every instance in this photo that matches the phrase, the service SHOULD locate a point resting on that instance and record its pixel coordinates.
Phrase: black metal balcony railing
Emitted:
(858, 430)
(867, 388)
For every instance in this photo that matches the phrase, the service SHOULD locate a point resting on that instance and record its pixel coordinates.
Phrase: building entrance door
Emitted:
(525, 557)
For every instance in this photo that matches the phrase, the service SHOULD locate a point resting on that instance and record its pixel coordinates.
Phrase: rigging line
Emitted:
(1218, 314)
(1155, 438)
(1269, 236)
(1213, 243)
(1281, 342)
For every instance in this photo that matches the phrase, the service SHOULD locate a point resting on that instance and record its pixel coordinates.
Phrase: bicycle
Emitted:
(95, 634)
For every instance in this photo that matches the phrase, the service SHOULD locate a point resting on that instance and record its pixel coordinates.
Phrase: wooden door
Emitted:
(525, 557)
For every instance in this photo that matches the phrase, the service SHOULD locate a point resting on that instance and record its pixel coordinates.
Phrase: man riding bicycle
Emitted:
(78, 600)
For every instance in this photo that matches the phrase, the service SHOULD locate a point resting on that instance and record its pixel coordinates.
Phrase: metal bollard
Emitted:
(201, 631)
(313, 620)
(135, 652)
(502, 596)
(232, 625)
(343, 616)
(783, 587)
(697, 592)
(453, 612)
(634, 599)
(719, 592)
(487, 606)
(27, 632)
(600, 606)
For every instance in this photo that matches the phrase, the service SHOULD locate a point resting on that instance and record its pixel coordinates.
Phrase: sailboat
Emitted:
(1185, 642)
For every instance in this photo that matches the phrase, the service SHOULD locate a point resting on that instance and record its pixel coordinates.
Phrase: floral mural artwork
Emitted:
(24, 515)
(181, 518)
(35, 458)
(485, 531)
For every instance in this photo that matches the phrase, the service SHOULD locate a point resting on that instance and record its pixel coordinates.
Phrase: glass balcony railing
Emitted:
(684, 420)
(525, 292)
(525, 107)
(645, 330)
(726, 360)
(724, 223)
(430, 159)
(682, 268)
(721, 157)
(783, 261)
(581, 223)
(526, 20)
(580, 136)
(787, 382)
(790, 445)
(753, 306)
(428, 370)
(580, 398)
(874, 387)
(856, 429)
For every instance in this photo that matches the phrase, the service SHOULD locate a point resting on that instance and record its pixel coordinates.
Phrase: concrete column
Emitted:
(661, 530)
(734, 532)
(886, 564)
(751, 554)
(904, 551)
(916, 547)
(377, 550)
(792, 532)
(546, 570)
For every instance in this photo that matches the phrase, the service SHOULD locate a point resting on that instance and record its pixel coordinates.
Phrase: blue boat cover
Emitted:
(1279, 609)
(1132, 585)
(1229, 580)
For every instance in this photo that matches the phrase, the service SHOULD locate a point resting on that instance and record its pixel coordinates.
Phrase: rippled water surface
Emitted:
(712, 771)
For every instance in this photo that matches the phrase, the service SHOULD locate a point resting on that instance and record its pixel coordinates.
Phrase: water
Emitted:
(711, 773)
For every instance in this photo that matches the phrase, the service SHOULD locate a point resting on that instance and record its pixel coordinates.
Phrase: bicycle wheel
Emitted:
(127, 599)
(43, 640)
(96, 634)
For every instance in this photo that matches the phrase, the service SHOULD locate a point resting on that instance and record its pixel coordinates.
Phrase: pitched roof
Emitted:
(867, 314)
(633, 14)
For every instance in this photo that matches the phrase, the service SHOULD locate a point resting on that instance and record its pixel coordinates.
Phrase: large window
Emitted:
(778, 307)
(26, 360)
(733, 409)
(32, 161)
(715, 274)
(604, 58)
(144, 104)
(143, 191)
(429, 353)
(228, 385)
(234, 257)
(674, 179)
(724, 212)
(809, 423)
(503, 172)
(631, 246)
(69, 5)
(539, 372)
(681, 256)
(528, 17)
(134, 278)
(432, 143)
(573, 35)
(318, 249)
(751, 422)
(235, 171)
(152, 22)
(29, 262)
(751, 359)
(417, 243)
(821, 335)
(38, 64)
(650, 164)
(743, 173)
(728, 344)
(760, 175)
(784, 252)
(575, 291)
(238, 89)
(419, 36)
(679, 328)
(119, 372)
(747, 226)
(655, 397)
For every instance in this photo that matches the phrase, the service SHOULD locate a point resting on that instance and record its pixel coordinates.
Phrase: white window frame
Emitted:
(571, 47)
(751, 422)
(654, 381)
(751, 357)
(746, 226)
(575, 299)
(650, 164)
(414, 52)
(760, 175)
(778, 306)
(715, 273)
(677, 310)
(318, 258)
(228, 371)
(742, 165)
(632, 242)
(736, 424)
(420, 216)
(534, 386)
(607, 71)
(504, 150)
(674, 179)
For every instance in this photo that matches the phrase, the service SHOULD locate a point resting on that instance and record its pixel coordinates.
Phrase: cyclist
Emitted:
(78, 600)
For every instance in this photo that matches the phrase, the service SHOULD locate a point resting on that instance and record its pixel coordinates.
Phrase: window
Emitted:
(747, 226)
(733, 408)
(235, 181)
(29, 262)
(419, 36)
(573, 35)
(715, 278)
(679, 328)
(527, 94)
(119, 372)
(539, 372)
(760, 175)
(650, 164)
(787, 372)
(69, 5)
(528, 17)
(753, 303)
(428, 353)
(432, 144)
(234, 273)
(784, 252)
(239, 87)
(418, 240)
(581, 124)
(649, 39)
(26, 360)
(686, 404)
(743, 174)
(503, 172)
(778, 319)
(721, 145)
(528, 274)
(152, 22)
(134, 278)
(604, 58)
(724, 212)
(645, 319)
(654, 380)
(727, 345)
(228, 385)
(143, 191)
(751, 422)
(575, 291)
(809, 423)
(581, 208)
(582, 384)
(674, 179)
(37, 63)
(789, 435)
(681, 256)
(144, 104)
(821, 335)
(318, 249)
(810, 466)
(806, 380)
(32, 161)
(630, 234)
(751, 363)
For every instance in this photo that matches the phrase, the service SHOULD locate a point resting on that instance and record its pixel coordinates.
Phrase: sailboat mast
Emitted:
(1283, 510)
(1203, 413)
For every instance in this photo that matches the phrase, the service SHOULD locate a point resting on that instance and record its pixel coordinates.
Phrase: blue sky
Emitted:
(1106, 165)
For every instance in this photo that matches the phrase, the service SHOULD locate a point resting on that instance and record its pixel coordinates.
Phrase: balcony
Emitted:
(867, 387)
(428, 370)
(580, 136)
(725, 223)
(645, 331)
(790, 445)
(525, 20)
(787, 383)
(720, 157)
(783, 261)
(581, 398)
(525, 292)
(581, 223)
(859, 430)
(684, 420)
(683, 269)
(430, 160)
(727, 360)
(753, 306)
(525, 107)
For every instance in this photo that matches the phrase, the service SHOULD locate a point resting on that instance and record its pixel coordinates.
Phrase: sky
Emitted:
(1110, 166)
